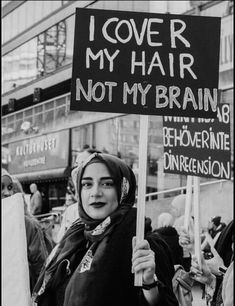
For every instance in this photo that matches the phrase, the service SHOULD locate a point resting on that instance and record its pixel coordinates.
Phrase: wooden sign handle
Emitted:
(187, 212)
(143, 148)
(197, 228)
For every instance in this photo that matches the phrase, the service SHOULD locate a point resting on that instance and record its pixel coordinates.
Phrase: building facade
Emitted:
(40, 135)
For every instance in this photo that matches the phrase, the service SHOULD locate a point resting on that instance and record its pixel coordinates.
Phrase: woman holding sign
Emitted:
(96, 260)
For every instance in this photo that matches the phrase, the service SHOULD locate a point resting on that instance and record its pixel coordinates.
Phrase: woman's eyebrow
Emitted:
(87, 178)
(101, 178)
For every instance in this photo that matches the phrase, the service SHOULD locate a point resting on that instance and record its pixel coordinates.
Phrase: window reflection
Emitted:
(55, 48)
(51, 49)
(25, 15)
(61, 44)
(40, 53)
(39, 56)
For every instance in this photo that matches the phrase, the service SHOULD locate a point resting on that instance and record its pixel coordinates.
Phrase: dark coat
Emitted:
(171, 237)
(113, 282)
(37, 249)
(224, 247)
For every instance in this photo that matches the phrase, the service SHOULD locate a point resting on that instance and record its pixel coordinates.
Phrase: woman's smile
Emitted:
(98, 204)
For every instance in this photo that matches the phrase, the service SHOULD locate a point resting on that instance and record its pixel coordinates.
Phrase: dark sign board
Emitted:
(199, 147)
(50, 151)
(145, 63)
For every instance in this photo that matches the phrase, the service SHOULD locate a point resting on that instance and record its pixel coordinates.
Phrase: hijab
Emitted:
(124, 182)
(85, 245)
(17, 188)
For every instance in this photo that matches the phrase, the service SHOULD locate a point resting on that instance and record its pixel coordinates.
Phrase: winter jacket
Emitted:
(171, 237)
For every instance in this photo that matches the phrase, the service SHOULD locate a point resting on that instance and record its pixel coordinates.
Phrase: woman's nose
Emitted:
(96, 191)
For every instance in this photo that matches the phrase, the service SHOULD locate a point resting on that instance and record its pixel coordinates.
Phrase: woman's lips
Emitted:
(97, 204)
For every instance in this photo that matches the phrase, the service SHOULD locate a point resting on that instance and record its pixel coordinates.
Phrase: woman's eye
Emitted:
(86, 184)
(108, 184)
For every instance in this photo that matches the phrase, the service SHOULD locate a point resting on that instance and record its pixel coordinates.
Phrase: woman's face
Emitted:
(7, 186)
(98, 193)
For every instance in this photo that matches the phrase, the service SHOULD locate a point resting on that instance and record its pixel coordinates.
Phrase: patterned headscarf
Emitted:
(124, 182)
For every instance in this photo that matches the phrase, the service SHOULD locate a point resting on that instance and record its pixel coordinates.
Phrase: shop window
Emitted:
(24, 16)
(38, 120)
(153, 167)
(61, 112)
(38, 109)
(51, 49)
(18, 125)
(60, 102)
(49, 105)
(49, 117)
(136, 124)
(61, 43)
(56, 194)
(40, 54)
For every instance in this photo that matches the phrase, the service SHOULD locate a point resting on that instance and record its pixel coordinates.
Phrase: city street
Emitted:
(117, 127)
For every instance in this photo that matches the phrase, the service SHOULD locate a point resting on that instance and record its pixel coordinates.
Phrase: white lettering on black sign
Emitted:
(129, 62)
(197, 146)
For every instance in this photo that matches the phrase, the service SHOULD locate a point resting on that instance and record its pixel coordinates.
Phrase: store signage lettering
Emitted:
(129, 62)
(198, 146)
(35, 162)
(37, 146)
(40, 153)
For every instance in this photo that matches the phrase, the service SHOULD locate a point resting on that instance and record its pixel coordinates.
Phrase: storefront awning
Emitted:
(43, 175)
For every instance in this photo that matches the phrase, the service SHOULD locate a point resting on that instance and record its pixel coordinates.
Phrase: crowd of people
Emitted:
(97, 257)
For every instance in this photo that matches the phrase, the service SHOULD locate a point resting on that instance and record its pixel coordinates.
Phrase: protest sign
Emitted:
(15, 271)
(199, 147)
(145, 63)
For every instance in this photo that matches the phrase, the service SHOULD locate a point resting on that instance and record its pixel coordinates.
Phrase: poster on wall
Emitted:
(197, 146)
(145, 63)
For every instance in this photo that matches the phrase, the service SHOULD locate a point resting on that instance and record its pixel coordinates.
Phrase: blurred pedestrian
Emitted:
(205, 276)
(38, 247)
(215, 227)
(223, 258)
(166, 230)
(35, 200)
(95, 258)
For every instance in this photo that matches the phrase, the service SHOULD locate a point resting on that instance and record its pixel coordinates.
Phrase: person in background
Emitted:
(225, 248)
(215, 227)
(205, 276)
(35, 200)
(223, 259)
(38, 248)
(70, 194)
(96, 259)
(169, 234)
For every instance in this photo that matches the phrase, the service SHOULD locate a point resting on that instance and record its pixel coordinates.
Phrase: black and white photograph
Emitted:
(117, 125)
